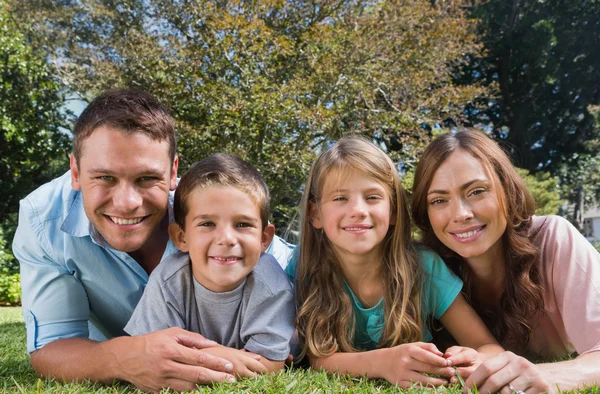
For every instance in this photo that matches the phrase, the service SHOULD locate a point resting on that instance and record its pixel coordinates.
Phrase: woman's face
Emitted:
(463, 208)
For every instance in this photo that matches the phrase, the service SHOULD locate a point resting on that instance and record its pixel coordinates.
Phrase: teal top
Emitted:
(441, 287)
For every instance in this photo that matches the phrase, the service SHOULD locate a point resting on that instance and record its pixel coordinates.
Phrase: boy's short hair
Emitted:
(221, 170)
(128, 110)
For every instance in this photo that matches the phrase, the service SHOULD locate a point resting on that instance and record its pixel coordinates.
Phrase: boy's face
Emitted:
(223, 235)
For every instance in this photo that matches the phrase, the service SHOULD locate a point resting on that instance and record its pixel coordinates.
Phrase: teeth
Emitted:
(356, 228)
(125, 221)
(226, 258)
(467, 234)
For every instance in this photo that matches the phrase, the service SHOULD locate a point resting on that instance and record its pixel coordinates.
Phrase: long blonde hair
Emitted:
(325, 315)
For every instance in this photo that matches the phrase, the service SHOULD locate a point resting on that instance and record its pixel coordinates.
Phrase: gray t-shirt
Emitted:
(257, 316)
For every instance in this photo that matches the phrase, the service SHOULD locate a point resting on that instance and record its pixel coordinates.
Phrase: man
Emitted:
(87, 242)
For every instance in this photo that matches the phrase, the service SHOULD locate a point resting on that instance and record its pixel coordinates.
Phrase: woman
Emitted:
(534, 280)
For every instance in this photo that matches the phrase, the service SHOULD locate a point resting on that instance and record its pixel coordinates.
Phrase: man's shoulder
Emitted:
(52, 199)
(269, 275)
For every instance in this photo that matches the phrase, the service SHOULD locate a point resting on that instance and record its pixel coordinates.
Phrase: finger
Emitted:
(488, 369)
(196, 357)
(253, 355)
(466, 357)
(420, 367)
(191, 339)
(453, 350)
(289, 360)
(465, 372)
(254, 365)
(426, 356)
(429, 347)
(198, 375)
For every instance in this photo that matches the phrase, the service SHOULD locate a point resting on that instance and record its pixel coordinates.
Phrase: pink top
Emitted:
(570, 271)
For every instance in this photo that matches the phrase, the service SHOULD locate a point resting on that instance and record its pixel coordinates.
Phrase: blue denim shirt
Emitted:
(74, 284)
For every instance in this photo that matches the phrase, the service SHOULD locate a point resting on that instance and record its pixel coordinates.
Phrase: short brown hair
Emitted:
(130, 111)
(222, 170)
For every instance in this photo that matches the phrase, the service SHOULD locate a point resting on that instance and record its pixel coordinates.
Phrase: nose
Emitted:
(226, 236)
(358, 208)
(461, 210)
(127, 197)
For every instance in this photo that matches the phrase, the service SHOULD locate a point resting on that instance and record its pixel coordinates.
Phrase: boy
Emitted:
(221, 285)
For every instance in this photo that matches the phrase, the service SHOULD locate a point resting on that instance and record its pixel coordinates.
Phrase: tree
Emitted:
(545, 191)
(32, 145)
(273, 81)
(542, 56)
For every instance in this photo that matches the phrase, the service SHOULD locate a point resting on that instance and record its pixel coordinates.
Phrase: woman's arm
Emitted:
(463, 323)
(403, 365)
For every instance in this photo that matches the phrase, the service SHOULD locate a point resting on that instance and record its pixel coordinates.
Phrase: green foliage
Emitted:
(545, 191)
(273, 81)
(32, 145)
(10, 289)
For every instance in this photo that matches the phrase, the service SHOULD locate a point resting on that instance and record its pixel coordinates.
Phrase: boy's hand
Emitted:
(245, 364)
(465, 359)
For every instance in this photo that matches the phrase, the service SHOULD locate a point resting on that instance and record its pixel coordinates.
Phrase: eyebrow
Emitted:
(145, 171)
(213, 216)
(372, 189)
(463, 186)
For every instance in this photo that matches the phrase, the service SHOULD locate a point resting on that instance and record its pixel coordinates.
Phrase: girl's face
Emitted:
(354, 211)
(464, 209)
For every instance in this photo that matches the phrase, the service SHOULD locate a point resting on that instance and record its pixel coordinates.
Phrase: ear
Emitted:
(174, 173)
(267, 236)
(75, 184)
(178, 237)
(314, 216)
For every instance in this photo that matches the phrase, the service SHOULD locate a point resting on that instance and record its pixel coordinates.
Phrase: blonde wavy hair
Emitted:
(325, 315)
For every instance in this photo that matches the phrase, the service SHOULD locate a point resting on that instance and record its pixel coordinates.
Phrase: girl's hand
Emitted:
(465, 359)
(407, 363)
(509, 374)
(246, 364)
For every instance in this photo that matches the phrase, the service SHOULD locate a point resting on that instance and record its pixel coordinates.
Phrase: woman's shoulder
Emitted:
(551, 226)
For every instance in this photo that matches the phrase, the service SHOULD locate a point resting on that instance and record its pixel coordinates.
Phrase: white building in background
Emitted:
(591, 224)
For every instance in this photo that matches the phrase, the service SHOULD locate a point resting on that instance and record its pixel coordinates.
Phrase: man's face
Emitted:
(125, 181)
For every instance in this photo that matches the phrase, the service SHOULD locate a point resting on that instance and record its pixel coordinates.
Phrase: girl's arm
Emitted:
(463, 323)
(403, 365)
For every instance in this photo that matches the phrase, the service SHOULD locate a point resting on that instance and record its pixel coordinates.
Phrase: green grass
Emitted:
(16, 375)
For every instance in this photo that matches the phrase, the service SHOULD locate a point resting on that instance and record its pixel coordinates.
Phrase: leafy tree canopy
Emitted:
(274, 80)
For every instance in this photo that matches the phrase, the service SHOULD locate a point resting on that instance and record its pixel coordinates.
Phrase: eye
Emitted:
(374, 197)
(437, 201)
(206, 224)
(244, 225)
(105, 178)
(340, 198)
(478, 191)
(148, 179)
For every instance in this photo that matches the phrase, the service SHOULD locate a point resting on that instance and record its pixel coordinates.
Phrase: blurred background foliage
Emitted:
(276, 81)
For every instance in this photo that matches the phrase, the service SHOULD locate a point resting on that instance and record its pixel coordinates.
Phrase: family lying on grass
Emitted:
(364, 298)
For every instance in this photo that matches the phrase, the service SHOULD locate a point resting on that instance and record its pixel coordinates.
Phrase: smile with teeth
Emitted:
(468, 234)
(226, 259)
(123, 221)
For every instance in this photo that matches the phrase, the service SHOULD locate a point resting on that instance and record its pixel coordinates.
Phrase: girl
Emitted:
(535, 280)
(364, 291)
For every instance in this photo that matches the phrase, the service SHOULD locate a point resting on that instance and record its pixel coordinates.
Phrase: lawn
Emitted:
(17, 376)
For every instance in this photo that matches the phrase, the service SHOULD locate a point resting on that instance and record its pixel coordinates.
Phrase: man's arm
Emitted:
(167, 358)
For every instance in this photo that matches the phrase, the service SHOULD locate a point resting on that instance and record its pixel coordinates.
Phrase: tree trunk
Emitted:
(578, 211)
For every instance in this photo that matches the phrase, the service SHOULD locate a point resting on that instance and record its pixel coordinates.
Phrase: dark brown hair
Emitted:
(217, 171)
(522, 298)
(127, 110)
